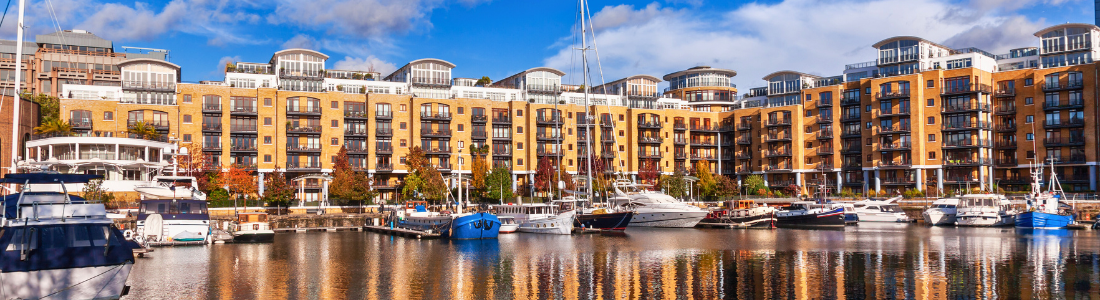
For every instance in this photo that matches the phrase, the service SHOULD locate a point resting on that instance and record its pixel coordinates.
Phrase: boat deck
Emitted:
(409, 233)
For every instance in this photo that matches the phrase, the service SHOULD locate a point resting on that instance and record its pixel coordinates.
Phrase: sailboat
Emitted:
(1045, 209)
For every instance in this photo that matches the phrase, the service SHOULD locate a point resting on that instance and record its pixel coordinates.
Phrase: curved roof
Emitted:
(435, 60)
(547, 69)
(906, 37)
(643, 76)
(789, 72)
(1067, 25)
(300, 50)
(701, 69)
(148, 60)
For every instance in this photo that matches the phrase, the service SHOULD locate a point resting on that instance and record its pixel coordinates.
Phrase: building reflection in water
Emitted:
(866, 262)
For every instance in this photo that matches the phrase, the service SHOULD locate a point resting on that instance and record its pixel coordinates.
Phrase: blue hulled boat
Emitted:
(475, 225)
(1045, 209)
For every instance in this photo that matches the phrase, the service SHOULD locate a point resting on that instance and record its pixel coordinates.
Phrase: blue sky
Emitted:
(499, 38)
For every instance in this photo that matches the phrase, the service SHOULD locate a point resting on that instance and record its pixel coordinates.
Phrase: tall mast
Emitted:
(18, 79)
(587, 118)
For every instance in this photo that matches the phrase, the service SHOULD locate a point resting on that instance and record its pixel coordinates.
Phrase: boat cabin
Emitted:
(980, 201)
(177, 209)
(740, 204)
(251, 217)
(527, 209)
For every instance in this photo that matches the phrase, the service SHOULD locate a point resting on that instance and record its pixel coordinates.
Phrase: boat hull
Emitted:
(603, 222)
(668, 219)
(508, 228)
(559, 224)
(883, 217)
(833, 218)
(254, 236)
(754, 221)
(850, 218)
(1034, 219)
(936, 218)
(101, 282)
(985, 220)
(475, 226)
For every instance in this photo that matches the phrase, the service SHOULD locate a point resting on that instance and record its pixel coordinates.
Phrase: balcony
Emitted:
(1055, 86)
(242, 148)
(898, 181)
(968, 162)
(744, 126)
(1006, 92)
(650, 140)
(302, 166)
(1006, 162)
(900, 128)
(216, 127)
(479, 135)
(502, 152)
(357, 149)
(679, 141)
(979, 125)
(1006, 144)
(549, 120)
(705, 128)
(149, 86)
(849, 118)
(650, 125)
(779, 122)
(242, 110)
(644, 154)
(436, 117)
(697, 156)
(960, 179)
(680, 126)
(502, 119)
(314, 129)
(825, 103)
(965, 107)
(356, 114)
(892, 94)
(895, 164)
(479, 119)
(897, 146)
(549, 152)
(607, 154)
(1010, 127)
(80, 123)
(980, 143)
(777, 153)
(743, 170)
(548, 137)
(384, 149)
(851, 166)
(901, 111)
(242, 129)
(383, 132)
(680, 155)
(825, 151)
(507, 136)
(778, 138)
(606, 122)
(821, 119)
(1053, 105)
(743, 155)
(212, 108)
(777, 168)
(851, 150)
(1005, 109)
(302, 75)
(1063, 141)
(435, 133)
(851, 133)
(212, 148)
(303, 111)
(824, 135)
(1067, 123)
(157, 124)
(845, 101)
(303, 148)
(383, 115)
(356, 132)
(429, 81)
(383, 167)
(1071, 159)
(438, 151)
(966, 89)
(544, 88)
(703, 143)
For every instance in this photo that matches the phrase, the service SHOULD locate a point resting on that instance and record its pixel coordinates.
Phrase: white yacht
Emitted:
(942, 212)
(508, 224)
(985, 210)
(172, 209)
(539, 217)
(171, 187)
(252, 227)
(654, 208)
(880, 211)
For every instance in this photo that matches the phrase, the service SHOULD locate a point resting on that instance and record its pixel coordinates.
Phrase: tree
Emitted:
(49, 107)
(598, 174)
(498, 185)
(674, 185)
(649, 172)
(726, 187)
(707, 185)
(94, 191)
(484, 81)
(567, 178)
(754, 184)
(423, 179)
(277, 191)
(230, 67)
(348, 186)
(792, 190)
(143, 130)
(479, 169)
(53, 126)
(545, 176)
(238, 181)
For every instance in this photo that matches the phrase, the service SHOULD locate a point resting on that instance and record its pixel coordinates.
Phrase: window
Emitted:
(108, 116)
(519, 146)
(868, 157)
(267, 121)
(867, 108)
(1031, 136)
(404, 144)
(186, 119)
(335, 105)
(931, 137)
(403, 126)
(1029, 81)
(570, 162)
(809, 97)
(1029, 119)
(867, 91)
(335, 123)
(809, 113)
(622, 133)
(187, 137)
(335, 141)
(930, 102)
(267, 140)
(931, 83)
(519, 162)
(186, 98)
(267, 158)
(519, 113)
(868, 141)
(461, 145)
(519, 129)
(1029, 101)
(622, 148)
(267, 102)
(931, 120)
(931, 155)
(1030, 155)
(403, 108)
(868, 125)
(460, 111)
(460, 127)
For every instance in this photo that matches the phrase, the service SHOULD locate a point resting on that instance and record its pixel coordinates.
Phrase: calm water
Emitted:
(866, 261)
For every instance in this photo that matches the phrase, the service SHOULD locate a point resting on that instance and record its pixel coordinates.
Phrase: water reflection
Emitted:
(867, 261)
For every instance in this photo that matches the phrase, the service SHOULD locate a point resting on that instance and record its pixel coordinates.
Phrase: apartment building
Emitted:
(919, 116)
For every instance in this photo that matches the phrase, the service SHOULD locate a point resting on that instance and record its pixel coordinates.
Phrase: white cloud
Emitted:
(220, 68)
(301, 41)
(370, 63)
(812, 36)
(625, 15)
(362, 18)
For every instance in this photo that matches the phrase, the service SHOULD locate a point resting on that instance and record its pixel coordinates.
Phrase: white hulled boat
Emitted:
(539, 217)
(654, 208)
(985, 210)
(880, 211)
(942, 212)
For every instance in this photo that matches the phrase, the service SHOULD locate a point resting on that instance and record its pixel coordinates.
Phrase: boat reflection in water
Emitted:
(869, 261)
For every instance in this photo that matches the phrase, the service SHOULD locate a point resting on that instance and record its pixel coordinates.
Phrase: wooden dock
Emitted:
(409, 233)
(721, 225)
(318, 229)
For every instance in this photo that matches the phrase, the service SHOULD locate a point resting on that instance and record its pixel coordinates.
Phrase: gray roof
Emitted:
(74, 38)
(151, 55)
(8, 46)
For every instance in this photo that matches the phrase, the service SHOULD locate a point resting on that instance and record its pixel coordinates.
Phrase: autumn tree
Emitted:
(674, 185)
(423, 179)
(754, 185)
(726, 187)
(545, 176)
(649, 172)
(567, 178)
(707, 185)
(498, 185)
(277, 190)
(598, 173)
(348, 186)
(479, 169)
(238, 182)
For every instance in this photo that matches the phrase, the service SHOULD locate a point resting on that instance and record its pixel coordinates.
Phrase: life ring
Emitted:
(128, 234)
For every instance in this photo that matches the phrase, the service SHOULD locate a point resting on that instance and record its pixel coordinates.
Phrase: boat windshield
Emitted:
(972, 202)
(164, 207)
(891, 208)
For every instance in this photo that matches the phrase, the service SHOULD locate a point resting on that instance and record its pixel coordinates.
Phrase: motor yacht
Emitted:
(809, 214)
(942, 212)
(984, 210)
(880, 211)
(654, 208)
